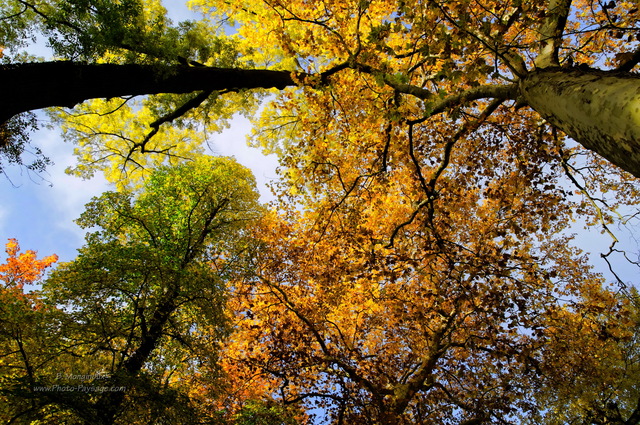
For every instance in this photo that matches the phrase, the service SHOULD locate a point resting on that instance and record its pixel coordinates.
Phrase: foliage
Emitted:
(446, 325)
(418, 268)
(142, 302)
(113, 136)
(128, 30)
(590, 361)
(22, 269)
(263, 413)
(15, 141)
(25, 323)
(416, 272)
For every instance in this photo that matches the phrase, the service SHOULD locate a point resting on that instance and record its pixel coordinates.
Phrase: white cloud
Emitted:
(233, 142)
(69, 194)
(39, 213)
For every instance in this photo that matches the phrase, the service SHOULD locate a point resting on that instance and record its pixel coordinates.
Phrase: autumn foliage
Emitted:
(24, 317)
(23, 268)
(417, 263)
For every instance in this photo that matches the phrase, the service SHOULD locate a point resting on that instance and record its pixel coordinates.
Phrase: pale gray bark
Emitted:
(551, 33)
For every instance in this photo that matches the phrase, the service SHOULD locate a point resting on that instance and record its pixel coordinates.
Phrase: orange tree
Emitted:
(370, 308)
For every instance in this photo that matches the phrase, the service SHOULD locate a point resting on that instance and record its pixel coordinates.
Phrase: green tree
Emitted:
(26, 325)
(144, 299)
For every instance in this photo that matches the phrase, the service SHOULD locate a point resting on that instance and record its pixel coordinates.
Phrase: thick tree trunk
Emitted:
(600, 110)
(33, 86)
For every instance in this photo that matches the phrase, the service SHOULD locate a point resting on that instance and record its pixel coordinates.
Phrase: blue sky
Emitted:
(40, 213)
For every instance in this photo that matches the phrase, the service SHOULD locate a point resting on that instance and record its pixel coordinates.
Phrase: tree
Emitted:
(594, 386)
(426, 58)
(419, 267)
(453, 321)
(143, 300)
(25, 324)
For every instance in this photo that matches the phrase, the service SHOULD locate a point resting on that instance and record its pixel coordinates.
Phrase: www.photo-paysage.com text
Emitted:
(80, 388)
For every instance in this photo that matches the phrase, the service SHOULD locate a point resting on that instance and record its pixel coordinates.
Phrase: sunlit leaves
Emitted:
(22, 268)
(590, 362)
(128, 139)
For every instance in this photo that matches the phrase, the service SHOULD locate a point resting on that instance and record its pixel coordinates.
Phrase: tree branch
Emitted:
(497, 92)
(155, 126)
(551, 33)
(33, 86)
(630, 62)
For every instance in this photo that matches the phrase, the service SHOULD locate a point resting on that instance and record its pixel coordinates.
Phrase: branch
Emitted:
(551, 33)
(430, 187)
(304, 396)
(155, 126)
(328, 355)
(567, 171)
(635, 416)
(31, 86)
(628, 64)
(498, 92)
(511, 59)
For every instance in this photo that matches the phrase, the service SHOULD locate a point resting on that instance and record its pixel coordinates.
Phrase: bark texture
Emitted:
(33, 86)
(600, 110)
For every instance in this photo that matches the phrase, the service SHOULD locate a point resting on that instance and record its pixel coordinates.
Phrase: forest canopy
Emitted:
(417, 263)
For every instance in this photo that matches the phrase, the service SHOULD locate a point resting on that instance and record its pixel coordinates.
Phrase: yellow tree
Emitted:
(432, 56)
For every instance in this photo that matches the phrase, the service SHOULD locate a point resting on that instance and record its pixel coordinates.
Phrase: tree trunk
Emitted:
(110, 403)
(600, 110)
(33, 86)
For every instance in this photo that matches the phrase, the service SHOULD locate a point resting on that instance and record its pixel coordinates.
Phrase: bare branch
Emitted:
(630, 62)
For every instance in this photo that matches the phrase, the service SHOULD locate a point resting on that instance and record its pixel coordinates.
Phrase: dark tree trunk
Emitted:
(110, 404)
(33, 86)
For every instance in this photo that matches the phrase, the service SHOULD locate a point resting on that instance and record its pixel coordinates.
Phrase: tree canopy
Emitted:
(416, 265)
(145, 293)
(417, 61)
